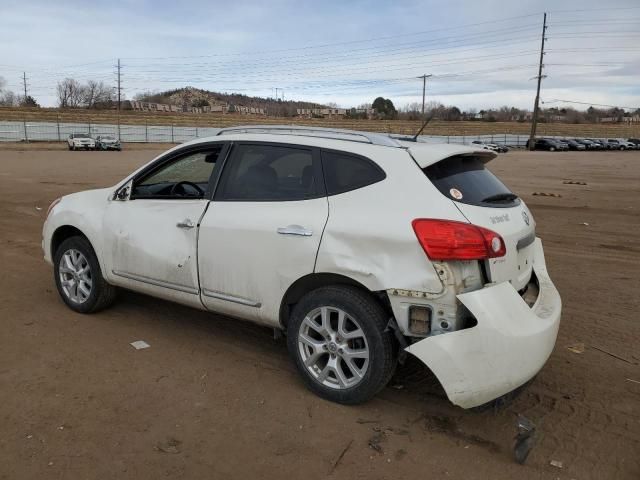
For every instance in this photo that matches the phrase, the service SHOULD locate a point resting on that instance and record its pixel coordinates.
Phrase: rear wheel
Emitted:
(338, 340)
(79, 278)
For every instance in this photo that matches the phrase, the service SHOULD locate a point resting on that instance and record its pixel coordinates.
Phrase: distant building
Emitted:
(321, 112)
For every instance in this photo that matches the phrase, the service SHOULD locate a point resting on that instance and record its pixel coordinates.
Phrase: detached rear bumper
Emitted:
(508, 346)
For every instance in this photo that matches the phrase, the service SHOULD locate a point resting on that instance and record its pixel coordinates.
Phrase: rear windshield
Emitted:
(467, 180)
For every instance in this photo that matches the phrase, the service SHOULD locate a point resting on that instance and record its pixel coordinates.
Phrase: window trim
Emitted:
(231, 157)
(175, 156)
(355, 155)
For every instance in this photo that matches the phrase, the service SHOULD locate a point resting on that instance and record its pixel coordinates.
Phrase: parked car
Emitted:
(547, 144)
(635, 141)
(81, 140)
(494, 147)
(614, 144)
(603, 145)
(589, 144)
(106, 142)
(425, 251)
(625, 145)
(573, 144)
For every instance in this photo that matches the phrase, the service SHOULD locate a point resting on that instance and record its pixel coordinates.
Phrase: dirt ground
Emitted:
(218, 398)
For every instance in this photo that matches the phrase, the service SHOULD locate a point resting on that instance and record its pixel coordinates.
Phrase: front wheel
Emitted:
(79, 278)
(338, 339)
(552, 149)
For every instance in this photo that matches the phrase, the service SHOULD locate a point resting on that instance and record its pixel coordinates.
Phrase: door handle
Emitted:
(186, 223)
(295, 230)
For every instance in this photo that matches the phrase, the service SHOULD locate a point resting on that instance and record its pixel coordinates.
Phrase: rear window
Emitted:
(467, 180)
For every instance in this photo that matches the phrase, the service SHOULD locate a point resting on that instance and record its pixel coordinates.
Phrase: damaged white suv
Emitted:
(357, 245)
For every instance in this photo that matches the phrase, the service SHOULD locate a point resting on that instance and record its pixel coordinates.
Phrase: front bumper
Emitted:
(508, 346)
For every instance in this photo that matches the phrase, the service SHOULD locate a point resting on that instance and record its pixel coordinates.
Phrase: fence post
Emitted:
(89, 126)
(58, 123)
(24, 124)
(172, 133)
(196, 132)
(146, 132)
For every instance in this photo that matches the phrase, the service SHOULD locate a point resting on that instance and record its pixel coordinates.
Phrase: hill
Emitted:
(196, 97)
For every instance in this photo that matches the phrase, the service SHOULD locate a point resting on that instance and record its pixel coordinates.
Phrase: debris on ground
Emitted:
(573, 182)
(585, 224)
(38, 208)
(170, 446)
(362, 421)
(337, 461)
(576, 348)
(376, 440)
(544, 194)
(556, 463)
(139, 344)
(613, 355)
(525, 439)
(631, 380)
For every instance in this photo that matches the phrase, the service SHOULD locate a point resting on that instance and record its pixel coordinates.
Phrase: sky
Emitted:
(482, 54)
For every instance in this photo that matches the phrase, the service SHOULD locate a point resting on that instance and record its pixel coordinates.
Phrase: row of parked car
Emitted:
(556, 144)
(83, 141)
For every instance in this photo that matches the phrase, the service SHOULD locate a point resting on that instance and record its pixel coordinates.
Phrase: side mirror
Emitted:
(124, 192)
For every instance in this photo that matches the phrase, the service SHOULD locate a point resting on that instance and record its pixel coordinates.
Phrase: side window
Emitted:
(269, 173)
(344, 172)
(184, 177)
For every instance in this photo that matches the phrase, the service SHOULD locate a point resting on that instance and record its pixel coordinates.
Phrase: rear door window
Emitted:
(467, 180)
(344, 172)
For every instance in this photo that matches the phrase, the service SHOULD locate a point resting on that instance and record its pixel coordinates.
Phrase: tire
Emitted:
(552, 149)
(101, 294)
(365, 322)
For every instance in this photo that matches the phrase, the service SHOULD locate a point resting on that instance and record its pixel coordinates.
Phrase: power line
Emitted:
(555, 100)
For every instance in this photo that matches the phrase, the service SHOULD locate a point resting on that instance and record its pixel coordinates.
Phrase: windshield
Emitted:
(467, 180)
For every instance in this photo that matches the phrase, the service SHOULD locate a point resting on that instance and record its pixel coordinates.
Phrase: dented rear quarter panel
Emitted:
(369, 236)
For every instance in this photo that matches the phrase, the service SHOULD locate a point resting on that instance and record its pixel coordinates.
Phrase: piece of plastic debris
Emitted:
(585, 224)
(525, 439)
(576, 348)
(139, 344)
(631, 380)
(38, 208)
(556, 463)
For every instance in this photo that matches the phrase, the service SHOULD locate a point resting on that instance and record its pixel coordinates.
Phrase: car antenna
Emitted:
(426, 122)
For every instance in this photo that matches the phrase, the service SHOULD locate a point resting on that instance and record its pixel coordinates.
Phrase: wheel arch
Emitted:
(313, 281)
(62, 233)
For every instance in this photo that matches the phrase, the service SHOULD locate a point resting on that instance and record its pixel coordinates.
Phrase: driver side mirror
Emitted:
(123, 193)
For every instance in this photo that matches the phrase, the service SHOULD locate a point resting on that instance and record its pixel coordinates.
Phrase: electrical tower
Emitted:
(424, 87)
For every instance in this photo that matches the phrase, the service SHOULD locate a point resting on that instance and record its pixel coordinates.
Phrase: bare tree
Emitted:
(70, 93)
(95, 94)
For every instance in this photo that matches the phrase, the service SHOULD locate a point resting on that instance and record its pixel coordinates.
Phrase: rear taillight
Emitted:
(450, 240)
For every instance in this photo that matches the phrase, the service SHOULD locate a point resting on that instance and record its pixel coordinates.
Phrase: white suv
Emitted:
(359, 246)
(77, 141)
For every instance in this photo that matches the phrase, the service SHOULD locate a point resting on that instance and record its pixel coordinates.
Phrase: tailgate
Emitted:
(485, 201)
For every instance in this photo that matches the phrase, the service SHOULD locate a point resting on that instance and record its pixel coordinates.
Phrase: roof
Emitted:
(305, 131)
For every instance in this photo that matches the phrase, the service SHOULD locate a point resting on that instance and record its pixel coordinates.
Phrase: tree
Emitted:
(95, 94)
(70, 93)
(384, 108)
(29, 101)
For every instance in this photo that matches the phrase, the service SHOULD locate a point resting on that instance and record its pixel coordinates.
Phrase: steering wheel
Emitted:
(175, 187)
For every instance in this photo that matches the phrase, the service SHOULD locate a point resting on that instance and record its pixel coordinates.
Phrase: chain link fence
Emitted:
(58, 131)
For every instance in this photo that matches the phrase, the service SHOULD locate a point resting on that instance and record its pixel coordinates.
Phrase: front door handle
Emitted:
(295, 230)
(186, 223)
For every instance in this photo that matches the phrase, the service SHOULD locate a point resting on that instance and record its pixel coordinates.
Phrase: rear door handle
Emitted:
(295, 230)
(186, 223)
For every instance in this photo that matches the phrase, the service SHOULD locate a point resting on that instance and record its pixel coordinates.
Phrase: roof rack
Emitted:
(332, 133)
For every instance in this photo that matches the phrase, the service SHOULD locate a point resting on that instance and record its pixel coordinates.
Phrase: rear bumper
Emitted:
(509, 345)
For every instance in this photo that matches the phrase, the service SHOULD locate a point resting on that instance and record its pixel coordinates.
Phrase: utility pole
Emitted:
(119, 99)
(534, 121)
(24, 80)
(424, 87)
